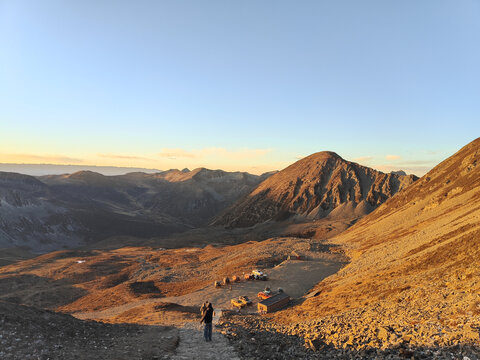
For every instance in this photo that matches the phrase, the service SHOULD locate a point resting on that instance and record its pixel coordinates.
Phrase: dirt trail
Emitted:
(191, 344)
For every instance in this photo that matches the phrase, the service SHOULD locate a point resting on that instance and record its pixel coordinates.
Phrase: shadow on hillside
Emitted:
(32, 333)
(12, 255)
(37, 291)
(49, 258)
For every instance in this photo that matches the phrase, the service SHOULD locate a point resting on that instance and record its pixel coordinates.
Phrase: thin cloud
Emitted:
(173, 154)
(420, 162)
(393, 157)
(122, 157)
(238, 154)
(34, 158)
(363, 159)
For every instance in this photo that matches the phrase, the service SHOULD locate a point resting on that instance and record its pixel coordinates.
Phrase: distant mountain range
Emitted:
(53, 169)
(56, 211)
(316, 186)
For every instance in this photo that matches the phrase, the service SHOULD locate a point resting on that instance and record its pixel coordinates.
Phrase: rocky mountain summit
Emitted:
(316, 186)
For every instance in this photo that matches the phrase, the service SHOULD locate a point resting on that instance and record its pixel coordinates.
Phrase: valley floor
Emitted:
(295, 277)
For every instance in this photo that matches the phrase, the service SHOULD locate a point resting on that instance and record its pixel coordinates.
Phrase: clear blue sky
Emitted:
(247, 85)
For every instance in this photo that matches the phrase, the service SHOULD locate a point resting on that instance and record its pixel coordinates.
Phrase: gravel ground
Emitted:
(256, 337)
(28, 333)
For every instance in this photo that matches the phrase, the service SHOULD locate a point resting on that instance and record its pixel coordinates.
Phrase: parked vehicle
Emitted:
(259, 275)
(245, 300)
(262, 295)
(237, 303)
(265, 294)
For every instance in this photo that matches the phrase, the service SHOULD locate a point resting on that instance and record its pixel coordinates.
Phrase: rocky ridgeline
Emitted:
(313, 187)
(353, 335)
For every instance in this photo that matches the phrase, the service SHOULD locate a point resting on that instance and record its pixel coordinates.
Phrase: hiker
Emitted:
(207, 319)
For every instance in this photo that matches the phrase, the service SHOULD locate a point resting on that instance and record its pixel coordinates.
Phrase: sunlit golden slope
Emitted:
(414, 266)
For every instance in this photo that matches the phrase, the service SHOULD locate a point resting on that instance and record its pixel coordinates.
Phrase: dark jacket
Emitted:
(207, 316)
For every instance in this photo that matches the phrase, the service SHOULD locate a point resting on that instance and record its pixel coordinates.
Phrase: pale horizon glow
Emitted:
(255, 161)
(208, 158)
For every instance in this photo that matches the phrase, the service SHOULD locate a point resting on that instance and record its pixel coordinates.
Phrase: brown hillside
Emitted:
(414, 272)
(313, 187)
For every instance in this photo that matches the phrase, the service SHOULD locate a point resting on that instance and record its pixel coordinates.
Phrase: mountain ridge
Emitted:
(312, 188)
(55, 211)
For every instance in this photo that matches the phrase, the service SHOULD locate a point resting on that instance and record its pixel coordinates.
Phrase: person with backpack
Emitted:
(207, 319)
(203, 308)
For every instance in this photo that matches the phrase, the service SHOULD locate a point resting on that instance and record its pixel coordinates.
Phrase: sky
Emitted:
(238, 85)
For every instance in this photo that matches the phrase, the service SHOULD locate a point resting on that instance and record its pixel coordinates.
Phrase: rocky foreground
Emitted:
(257, 337)
(32, 334)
